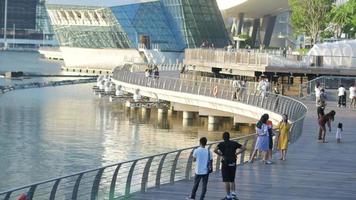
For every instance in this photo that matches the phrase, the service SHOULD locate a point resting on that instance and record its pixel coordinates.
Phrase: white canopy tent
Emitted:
(336, 54)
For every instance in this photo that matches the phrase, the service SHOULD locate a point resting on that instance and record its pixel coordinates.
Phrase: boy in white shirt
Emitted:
(201, 156)
(342, 96)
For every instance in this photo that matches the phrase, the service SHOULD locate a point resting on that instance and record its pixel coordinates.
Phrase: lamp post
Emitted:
(13, 35)
(5, 25)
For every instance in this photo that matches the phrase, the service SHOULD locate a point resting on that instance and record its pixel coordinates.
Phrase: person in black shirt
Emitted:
(320, 112)
(227, 150)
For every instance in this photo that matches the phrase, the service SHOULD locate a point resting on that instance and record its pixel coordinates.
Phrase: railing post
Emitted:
(54, 190)
(95, 187)
(113, 183)
(129, 178)
(159, 171)
(145, 174)
(242, 155)
(188, 169)
(174, 167)
(31, 192)
(76, 187)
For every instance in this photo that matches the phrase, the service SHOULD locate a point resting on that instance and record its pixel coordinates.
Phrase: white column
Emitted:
(188, 115)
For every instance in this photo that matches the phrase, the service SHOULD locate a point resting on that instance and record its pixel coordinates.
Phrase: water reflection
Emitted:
(50, 132)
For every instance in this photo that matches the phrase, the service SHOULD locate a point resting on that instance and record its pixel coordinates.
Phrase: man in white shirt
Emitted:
(342, 96)
(237, 86)
(201, 156)
(353, 96)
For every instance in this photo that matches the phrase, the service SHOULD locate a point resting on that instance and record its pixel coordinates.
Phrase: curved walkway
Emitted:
(312, 171)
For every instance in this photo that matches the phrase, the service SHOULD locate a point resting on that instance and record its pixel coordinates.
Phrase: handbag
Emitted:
(210, 163)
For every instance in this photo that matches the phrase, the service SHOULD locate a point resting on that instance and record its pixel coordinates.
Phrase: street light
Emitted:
(5, 25)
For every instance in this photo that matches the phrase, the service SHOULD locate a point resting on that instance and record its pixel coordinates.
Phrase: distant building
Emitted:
(266, 22)
(148, 31)
(27, 24)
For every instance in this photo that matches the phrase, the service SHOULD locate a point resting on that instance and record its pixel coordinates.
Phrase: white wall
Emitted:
(99, 58)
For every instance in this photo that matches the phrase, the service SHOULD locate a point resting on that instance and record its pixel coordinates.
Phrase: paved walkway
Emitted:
(312, 170)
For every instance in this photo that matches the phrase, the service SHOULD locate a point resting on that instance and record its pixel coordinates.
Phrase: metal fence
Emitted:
(330, 83)
(267, 58)
(122, 179)
(119, 180)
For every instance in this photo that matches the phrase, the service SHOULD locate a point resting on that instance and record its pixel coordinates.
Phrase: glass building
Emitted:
(27, 23)
(148, 20)
(87, 27)
(168, 25)
(197, 21)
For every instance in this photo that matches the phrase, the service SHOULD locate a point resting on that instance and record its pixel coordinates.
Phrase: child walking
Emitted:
(338, 133)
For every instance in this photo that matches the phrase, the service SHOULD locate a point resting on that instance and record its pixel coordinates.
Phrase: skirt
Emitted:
(262, 143)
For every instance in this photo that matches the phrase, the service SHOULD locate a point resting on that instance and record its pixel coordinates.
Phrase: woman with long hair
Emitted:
(283, 137)
(262, 142)
(326, 119)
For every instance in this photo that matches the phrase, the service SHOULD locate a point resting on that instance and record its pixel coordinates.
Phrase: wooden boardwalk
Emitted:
(312, 170)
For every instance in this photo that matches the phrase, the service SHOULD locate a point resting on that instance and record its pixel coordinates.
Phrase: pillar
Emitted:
(236, 123)
(267, 28)
(213, 119)
(188, 115)
(161, 113)
(213, 123)
(187, 122)
(241, 23)
(255, 29)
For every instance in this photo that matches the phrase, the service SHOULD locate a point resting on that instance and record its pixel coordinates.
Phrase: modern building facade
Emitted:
(87, 27)
(168, 25)
(158, 30)
(266, 22)
(27, 24)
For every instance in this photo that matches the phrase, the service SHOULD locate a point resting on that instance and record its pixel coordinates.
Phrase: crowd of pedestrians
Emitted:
(228, 151)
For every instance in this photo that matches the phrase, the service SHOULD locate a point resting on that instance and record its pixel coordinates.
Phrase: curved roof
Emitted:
(257, 8)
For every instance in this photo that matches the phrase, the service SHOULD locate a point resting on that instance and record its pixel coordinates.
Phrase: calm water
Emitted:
(49, 132)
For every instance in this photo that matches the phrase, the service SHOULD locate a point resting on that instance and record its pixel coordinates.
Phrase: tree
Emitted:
(310, 17)
(342, 16)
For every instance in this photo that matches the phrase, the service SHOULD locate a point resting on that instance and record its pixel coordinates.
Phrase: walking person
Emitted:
(228, 151)
(202, 156)
(326, 119)
(237, 86)
(284, 128)
(342, 96)
(317, 93)
(352, 96)
(262, 143)
(320, 113)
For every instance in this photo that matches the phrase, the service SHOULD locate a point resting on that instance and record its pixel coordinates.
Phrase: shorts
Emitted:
(228, 173)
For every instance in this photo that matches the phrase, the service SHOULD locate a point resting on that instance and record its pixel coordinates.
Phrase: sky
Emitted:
(223, 4)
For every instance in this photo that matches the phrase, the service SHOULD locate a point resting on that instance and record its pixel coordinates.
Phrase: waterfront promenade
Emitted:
(312, 170)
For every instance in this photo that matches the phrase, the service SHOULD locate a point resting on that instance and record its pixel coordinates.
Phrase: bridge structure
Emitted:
(270, 63)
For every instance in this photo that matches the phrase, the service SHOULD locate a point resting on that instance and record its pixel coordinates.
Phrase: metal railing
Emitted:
(266, 58)
(122, 179)
(275, 103)
(330, 83)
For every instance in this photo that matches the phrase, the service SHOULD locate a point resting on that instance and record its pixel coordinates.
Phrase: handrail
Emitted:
(122, 179)
(327, 82)
(266, 58)
(55, 181)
